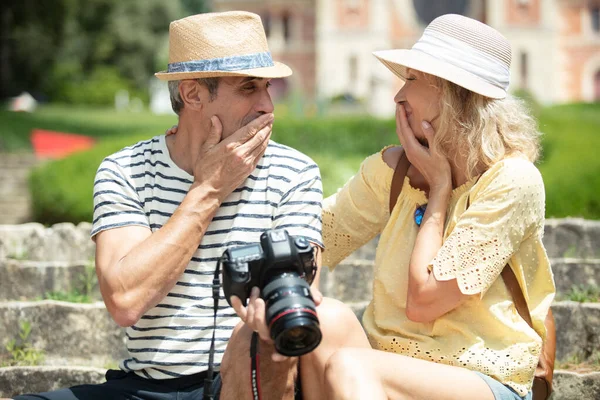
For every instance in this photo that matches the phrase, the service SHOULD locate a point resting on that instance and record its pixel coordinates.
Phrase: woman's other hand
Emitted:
(172, 130)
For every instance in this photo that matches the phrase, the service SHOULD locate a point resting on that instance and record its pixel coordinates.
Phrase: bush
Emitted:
(62, 191)
(570, 164)
(98, 89)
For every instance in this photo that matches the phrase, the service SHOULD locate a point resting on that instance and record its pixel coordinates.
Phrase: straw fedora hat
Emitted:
(461, 50)
(220, 44)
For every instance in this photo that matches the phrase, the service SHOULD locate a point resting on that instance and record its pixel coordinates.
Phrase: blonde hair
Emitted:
(482, 130)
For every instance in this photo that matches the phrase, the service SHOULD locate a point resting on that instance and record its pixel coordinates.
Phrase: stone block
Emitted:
(67, 333)
(31, 280)
(574, 386)
(21, 380)
(572, 238)
(351, 281)
(61, 242)
(577, 329)
(570, 272)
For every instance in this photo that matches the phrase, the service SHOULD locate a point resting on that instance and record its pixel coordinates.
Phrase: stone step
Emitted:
(29, 280)
(351, 281)
(577, 328)
(21, 380)
(14, 174)
(571, 272)
(61, 242)
(18, 380)
(564, 238)
(20, 159)
(66, 333)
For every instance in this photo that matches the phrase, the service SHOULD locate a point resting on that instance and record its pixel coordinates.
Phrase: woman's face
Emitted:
(421, 100)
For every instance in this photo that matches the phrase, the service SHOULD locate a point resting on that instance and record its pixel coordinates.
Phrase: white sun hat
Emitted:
(220, 44)
(461, 50)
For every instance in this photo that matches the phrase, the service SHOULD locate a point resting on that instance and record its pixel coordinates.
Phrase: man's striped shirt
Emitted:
(141, 185)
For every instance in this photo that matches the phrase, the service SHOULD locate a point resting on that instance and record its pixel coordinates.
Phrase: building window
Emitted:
(266, 20)
(428, 10)
(595, 14)
(286, 21)
(352, 6)
(524, 69)
(353, 70)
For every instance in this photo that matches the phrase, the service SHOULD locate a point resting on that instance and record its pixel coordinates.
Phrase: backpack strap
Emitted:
(398, 178)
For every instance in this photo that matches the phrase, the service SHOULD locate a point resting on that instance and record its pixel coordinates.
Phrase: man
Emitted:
(165, 209)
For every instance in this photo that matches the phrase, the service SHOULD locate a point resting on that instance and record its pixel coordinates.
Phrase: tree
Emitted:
(55, 50)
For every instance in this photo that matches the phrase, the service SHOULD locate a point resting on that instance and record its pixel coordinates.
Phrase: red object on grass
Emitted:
(50, 144)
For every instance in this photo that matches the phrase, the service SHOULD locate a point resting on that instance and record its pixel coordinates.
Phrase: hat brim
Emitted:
(278, 70)
(398, 60)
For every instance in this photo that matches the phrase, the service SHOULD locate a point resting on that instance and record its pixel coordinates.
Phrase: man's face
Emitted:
(239, 100)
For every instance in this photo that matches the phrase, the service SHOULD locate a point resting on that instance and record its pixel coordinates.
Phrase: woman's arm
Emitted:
(428, 298)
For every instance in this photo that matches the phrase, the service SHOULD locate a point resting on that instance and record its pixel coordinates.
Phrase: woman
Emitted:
(442, 323)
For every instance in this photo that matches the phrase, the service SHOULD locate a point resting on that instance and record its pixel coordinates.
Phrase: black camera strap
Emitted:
(255, 375)
(216, 286)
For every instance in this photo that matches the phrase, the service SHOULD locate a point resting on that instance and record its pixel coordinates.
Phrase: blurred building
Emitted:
(328, 44)
(556, 46)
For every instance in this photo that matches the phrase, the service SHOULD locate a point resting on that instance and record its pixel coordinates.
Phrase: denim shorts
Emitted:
(502, 392)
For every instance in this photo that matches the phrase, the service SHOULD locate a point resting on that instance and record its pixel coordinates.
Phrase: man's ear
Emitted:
(193, 94)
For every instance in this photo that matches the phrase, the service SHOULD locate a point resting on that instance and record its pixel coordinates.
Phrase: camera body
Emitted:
(255, 265)
(282, 267)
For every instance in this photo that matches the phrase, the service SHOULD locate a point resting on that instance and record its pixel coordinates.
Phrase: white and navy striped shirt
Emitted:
(141, 185)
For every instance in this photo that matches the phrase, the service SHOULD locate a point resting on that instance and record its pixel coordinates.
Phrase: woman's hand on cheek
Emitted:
(172, 130)
(430, 162)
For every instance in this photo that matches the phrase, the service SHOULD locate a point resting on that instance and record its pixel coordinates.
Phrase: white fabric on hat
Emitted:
(463, 56)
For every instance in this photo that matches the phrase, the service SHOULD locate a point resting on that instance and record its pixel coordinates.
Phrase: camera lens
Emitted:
(291, 315)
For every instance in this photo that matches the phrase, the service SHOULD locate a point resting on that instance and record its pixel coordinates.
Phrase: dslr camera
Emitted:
(282, 267)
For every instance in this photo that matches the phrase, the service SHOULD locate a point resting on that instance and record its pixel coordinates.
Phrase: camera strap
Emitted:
(254, 356)
(216, 286)
(254, 367)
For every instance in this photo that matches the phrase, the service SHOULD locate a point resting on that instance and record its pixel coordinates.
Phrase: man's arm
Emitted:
(137, 268)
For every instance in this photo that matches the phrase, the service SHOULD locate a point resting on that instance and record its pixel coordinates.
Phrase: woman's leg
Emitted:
(341, 329)
(374, 374)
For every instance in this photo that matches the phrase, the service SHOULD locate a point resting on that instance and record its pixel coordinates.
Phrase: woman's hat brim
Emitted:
(278, 70)
(398, 60)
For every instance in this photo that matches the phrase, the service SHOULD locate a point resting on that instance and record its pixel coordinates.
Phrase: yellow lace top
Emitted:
(504, 223)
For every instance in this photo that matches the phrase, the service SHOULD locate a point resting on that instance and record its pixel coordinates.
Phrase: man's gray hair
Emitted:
(211, 84)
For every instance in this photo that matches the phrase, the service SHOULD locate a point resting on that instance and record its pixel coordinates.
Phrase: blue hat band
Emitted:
(233, 63)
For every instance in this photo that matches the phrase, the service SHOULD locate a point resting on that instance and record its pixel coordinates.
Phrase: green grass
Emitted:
(62, 190)
(582, 294)
(571, 160)
(579, 363)
(71, 297)
(20, 352)
(98, 123)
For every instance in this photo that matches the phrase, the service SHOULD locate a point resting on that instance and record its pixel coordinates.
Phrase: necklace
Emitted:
(419, 212)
